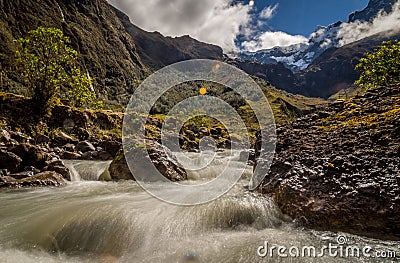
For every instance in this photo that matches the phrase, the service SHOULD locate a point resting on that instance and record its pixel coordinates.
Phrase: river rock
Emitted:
(112, 147)
(119, 169)
(105, 156)
(159, 156)
(85, 147)
(10, 161)
(71, 155)
(41, 179)
(22, 175)
(31, 155)
(59, 167)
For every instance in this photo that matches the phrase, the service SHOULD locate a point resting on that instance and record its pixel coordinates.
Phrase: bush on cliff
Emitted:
(380, 67)
(49, 69)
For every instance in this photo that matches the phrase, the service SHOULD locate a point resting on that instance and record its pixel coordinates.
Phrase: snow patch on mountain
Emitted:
(299, 56)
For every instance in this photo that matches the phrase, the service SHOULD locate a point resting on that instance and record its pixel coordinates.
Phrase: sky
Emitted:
(302, 16)
(247, 25)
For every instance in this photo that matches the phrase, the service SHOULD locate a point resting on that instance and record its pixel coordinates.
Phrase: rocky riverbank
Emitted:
(338, 169)
(32, 148)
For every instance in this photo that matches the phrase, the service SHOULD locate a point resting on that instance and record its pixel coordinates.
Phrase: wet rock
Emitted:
(22, 175)
(31, 155)
(71, 155)
(119, 169)
(38, 180)
(112, 147)
(105, 156)
(5, 179)
(92, 155)
(157, 154)
(36, 157)
(59, 167)
(10, 161)
(85, 147)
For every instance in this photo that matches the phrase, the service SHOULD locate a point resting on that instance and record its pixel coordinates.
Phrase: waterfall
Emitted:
(88, 76)
(62, 14)
(88, 170)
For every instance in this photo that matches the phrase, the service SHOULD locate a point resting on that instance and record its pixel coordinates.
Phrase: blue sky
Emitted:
(302, 16)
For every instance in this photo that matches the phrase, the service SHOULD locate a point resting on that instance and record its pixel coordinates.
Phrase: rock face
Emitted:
(338, 169)
(107, 51)
(159, 155)
(41, 179)
(10, 161)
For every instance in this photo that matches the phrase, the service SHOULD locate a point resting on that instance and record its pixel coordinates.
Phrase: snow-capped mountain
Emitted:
(299, 56)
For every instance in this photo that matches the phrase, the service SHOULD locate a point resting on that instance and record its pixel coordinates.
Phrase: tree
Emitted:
(380, 67)
(49, 69)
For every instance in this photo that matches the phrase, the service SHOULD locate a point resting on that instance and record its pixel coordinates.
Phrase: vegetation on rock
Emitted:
(48, 67)
(380, 67)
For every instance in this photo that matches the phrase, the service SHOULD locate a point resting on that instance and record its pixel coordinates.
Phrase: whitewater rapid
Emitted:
(95, 221)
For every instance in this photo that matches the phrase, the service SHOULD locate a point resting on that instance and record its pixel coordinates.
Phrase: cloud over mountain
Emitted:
(213, 21)
(354, 31)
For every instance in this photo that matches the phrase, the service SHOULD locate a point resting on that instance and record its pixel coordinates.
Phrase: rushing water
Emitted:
(93, 221)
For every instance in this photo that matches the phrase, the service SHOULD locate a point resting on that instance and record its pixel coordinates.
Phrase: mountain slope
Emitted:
(107, 50)
(116, 54)
(158, 51)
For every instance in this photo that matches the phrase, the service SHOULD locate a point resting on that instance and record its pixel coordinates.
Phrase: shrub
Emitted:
(49, 69)
(380, 67)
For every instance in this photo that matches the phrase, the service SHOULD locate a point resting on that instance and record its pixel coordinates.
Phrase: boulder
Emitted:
(112, 147)
(85, 147)
(31, 155)
(59, 167)
(42, 139)
(159, 156)
(61, 138)
(105, 156)
(70, 155)
(119, 169)
(10, 161)
(38, 180)
(22, 175)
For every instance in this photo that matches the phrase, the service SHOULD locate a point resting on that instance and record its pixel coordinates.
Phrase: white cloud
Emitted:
(212, 21)
(351, 32)
(268, 12)
(272, 39)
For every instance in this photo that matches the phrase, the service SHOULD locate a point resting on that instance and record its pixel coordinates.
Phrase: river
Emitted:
(94, 221)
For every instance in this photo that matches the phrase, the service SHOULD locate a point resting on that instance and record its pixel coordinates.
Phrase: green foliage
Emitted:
(48, 67)
(381, 67)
